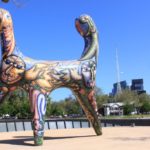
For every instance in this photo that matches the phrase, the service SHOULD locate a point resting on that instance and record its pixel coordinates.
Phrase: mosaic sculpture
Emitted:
(39, 78)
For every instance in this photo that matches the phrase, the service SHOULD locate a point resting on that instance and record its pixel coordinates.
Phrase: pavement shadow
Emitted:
(131, 138)
(22, 140)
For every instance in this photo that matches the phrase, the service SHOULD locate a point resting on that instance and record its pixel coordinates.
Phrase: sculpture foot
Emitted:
(98, 133)
(97, 127)
(38, 141)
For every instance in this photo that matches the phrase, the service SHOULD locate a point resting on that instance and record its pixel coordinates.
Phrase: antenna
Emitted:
(118, 74)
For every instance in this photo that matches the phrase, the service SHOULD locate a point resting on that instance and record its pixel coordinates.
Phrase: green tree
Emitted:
(144, 103)
(128, 109)
(16, 104)
(72, 106)
(57, 108)
(127, 96)
(101, 98)
(132, 100)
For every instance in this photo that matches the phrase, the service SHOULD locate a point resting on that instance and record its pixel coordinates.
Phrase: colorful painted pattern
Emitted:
(39, 78)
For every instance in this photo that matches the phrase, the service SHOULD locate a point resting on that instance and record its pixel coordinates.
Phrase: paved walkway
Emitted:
(113, 138)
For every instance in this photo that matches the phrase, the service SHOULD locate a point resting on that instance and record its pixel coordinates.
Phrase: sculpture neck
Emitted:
(91, 47)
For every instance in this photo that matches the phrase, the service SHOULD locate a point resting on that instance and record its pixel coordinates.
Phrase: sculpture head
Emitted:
(5, 1)
(13, 68)
(85, 25)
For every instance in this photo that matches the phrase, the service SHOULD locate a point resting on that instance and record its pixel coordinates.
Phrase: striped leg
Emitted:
(38, 108)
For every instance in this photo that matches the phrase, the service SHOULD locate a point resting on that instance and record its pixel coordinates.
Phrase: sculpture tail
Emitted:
(88, 31)
(6, 33)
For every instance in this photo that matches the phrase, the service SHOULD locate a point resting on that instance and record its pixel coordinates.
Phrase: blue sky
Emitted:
(46, 30)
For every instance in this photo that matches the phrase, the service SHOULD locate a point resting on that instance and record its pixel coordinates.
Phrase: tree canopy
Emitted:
(17, 104)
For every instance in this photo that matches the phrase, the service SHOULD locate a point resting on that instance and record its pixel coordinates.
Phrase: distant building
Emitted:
(113, 109)
(138, 86)
(123, 85)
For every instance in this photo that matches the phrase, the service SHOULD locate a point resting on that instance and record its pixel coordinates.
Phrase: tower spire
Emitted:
(118, 74)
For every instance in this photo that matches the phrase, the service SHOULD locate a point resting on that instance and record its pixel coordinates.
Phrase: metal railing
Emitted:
(125, 122)
(8, 125)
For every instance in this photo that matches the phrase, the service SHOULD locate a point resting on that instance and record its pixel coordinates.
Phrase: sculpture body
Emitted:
(39, 78)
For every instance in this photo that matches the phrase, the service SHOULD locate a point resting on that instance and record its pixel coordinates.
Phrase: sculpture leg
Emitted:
(88, 103)
(38, 108)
